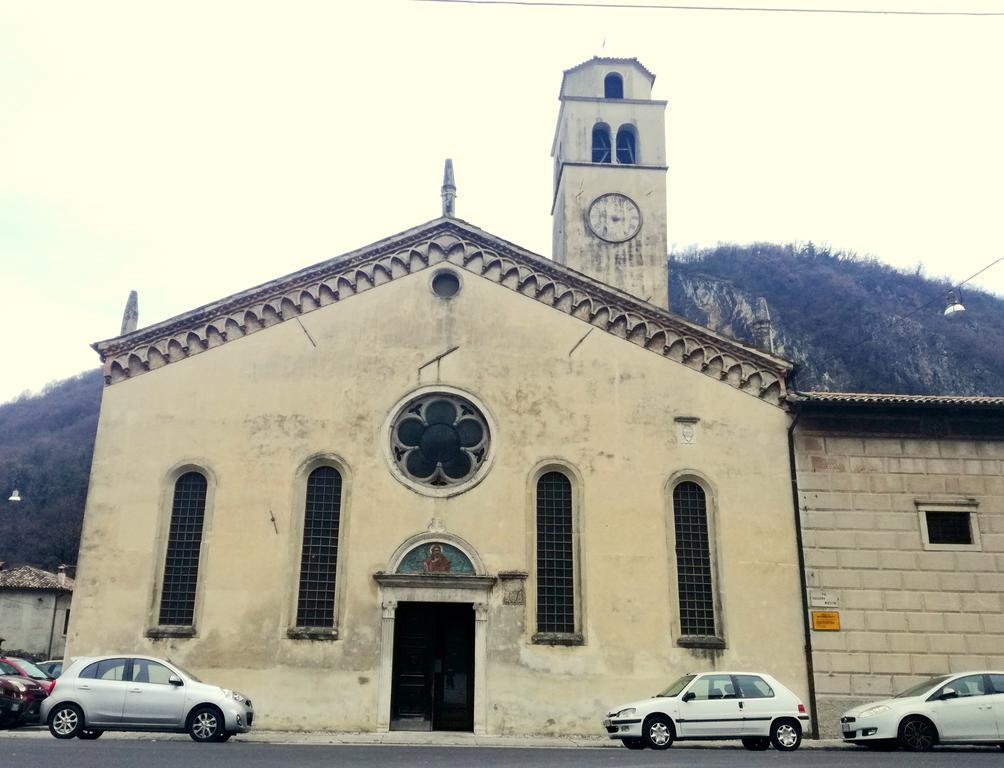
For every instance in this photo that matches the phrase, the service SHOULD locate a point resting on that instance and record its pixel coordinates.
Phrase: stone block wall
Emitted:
(906, 611)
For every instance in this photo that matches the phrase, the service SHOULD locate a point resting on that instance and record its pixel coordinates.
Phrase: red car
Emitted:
(20, 699)
(24, 668)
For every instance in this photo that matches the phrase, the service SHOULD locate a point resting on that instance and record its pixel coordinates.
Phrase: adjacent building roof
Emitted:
(869, 398)
(27, 577)
(447, 241)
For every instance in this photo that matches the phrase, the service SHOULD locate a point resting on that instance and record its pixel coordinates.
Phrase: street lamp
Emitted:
(15, 496)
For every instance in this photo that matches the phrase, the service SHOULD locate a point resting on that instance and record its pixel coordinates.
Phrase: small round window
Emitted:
(440, 440)
(445, 284)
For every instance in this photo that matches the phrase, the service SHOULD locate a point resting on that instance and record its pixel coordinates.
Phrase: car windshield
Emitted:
(31, 670)
(921, 687)
(186, 673)
(679, 685)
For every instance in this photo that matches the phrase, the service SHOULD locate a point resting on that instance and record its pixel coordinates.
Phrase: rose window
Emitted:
(440, 440)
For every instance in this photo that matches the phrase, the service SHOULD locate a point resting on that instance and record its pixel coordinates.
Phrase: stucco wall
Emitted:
(905, 612)
(32, 621)
(252, 411)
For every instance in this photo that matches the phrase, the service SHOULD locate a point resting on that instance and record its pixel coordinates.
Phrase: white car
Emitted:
(749, 706)
(964, 708)
(141, 693)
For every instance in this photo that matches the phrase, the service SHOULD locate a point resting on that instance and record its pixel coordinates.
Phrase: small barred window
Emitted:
(555, 565)
(693, 561)
(949, 528)
(184, 545)
(319, 558)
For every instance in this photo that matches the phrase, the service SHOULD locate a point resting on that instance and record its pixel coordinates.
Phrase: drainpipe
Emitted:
(52, 627)
(801, 579)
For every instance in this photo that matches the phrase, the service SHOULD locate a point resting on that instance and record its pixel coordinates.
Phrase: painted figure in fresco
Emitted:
(436, 562)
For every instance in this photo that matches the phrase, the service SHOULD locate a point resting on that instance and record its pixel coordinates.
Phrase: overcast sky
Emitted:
(189, 150)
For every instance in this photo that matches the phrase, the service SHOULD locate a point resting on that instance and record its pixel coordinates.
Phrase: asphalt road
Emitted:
(29, 753)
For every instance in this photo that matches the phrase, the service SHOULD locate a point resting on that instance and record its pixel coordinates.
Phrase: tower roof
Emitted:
(609, 60)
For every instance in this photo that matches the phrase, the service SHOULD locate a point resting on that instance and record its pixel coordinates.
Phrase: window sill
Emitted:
(701, 641)
(161, 632)
(557, 638)
(312, 633)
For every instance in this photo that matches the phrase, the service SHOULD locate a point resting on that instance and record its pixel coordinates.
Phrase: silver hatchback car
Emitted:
(141, 693)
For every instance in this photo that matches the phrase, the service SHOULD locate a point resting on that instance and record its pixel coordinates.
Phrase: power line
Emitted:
(720, 8)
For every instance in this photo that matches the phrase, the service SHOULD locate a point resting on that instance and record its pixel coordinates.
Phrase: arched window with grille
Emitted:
(601, 143)
(613, 86)
(315, 606)
(556, 559)
(694, 570)
(627, 145)
(184, 549)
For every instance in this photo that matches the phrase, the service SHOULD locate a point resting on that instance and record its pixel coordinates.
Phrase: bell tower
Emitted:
(609, 207)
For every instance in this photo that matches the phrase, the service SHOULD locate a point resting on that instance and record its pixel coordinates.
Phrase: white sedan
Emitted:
(752, 707)
(965, 708)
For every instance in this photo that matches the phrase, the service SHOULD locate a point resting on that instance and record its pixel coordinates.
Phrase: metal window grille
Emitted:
(601, 144)
(693, 560)
(949, 528)
(319, 558)
(555, 566)
(626, 147)
(184, 544)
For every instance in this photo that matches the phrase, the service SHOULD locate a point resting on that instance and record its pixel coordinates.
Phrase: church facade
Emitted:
(443, 482)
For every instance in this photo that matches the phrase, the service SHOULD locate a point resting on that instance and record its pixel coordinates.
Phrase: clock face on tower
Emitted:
(614, 217)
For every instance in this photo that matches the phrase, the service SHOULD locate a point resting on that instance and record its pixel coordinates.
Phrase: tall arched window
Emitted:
(184, 546)
(601, 143)
(315, 607)
(693, 561)
(613, 86)
(627, 145)
(555, 555)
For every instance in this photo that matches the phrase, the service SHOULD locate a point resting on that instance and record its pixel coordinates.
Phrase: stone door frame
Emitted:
(434, 588)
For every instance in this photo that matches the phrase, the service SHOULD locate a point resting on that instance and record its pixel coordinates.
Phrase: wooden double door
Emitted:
(433, 674)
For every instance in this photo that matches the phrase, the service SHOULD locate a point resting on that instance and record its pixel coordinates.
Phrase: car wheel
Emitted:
(89, 734)
(633, 743)
(66, 721)
(756, 743)
(205, 724)
(917, 734)
(657, 732)
(785, 735)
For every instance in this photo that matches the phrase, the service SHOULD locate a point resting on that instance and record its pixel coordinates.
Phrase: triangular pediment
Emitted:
(446, 240)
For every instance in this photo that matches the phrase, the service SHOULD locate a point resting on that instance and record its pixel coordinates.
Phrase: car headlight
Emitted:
(626, 712)
(240, 698)
(871, 711)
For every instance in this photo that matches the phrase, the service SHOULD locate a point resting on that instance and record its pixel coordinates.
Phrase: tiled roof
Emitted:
(868, 398)
(27, 577)
(613, 60)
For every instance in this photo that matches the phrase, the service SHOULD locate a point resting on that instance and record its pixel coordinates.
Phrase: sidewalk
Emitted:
(417, 739)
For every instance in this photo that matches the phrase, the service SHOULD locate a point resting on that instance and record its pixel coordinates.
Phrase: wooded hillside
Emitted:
(849, 324)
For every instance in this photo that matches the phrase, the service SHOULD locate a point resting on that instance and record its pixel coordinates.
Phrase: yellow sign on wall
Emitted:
(826, 621)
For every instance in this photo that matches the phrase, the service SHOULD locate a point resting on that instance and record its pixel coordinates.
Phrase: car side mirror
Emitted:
(689, 696)
(175, 680)
(949, 693)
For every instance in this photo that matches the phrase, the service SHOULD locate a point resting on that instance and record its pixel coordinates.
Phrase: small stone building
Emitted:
(34, 611)
(902, 512)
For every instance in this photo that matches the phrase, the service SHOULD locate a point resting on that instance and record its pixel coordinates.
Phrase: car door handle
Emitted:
(84, 687)
(135, 690)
